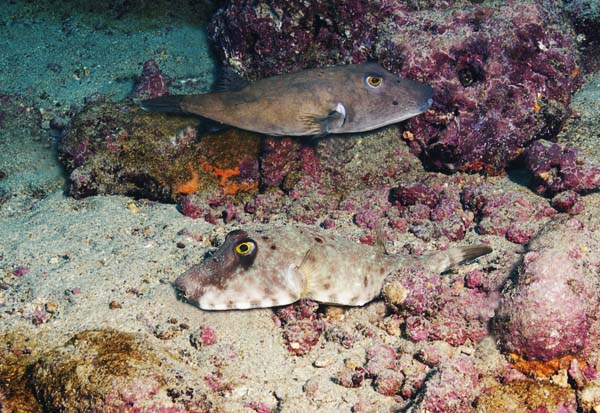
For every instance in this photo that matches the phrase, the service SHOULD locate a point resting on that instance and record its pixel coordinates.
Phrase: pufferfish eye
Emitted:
(245, 247)
(374, 81)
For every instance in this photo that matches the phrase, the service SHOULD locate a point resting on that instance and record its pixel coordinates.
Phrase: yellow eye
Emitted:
(245, 248)
(374, 81)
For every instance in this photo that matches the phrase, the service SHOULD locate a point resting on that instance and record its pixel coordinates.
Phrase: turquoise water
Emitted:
(61, 52)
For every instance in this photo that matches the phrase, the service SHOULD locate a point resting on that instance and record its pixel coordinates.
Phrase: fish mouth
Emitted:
(180, 289)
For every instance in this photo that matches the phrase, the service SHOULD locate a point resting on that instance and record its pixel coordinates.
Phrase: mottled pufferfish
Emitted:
(279, 266)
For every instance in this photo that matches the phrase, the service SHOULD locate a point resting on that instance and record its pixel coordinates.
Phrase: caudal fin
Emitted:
(170, 104)
(441, 261)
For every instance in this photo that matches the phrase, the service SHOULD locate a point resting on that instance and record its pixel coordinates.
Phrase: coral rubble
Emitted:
(302, 327)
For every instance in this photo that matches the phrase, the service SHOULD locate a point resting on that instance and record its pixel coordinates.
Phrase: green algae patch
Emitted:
(114, 148)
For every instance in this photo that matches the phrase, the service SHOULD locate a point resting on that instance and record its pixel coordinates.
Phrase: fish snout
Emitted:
(180, 286)
(185, 287)
(411, 98)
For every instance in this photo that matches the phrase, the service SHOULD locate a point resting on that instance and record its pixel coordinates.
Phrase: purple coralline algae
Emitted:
(204, 336)
(437, 307)
(412, 193)
(382, 366)
(301, 325)
(450, 383)
(151, 83)
(20, 271)
(447, 210)
(368, 207)
(259, 407)
(550, 310)
(515, 215)
(502, 74)
(451, 388)
(556, 169)
(430, 211)
(280, 157)
(568, 201)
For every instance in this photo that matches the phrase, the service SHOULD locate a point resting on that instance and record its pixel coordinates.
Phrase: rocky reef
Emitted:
(502, 74)
(119, 149)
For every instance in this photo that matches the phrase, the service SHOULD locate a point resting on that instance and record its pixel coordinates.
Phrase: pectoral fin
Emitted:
(321, 126)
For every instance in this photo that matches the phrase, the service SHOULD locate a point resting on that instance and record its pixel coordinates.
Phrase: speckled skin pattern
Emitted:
(254, 269)
(288, 264)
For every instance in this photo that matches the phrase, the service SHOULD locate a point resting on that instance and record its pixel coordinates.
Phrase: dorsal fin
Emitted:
(229, 81)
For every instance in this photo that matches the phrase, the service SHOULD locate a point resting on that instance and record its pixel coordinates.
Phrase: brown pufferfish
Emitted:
(336, 99)
(279, 266)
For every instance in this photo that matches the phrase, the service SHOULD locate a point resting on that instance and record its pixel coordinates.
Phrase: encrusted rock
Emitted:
(119, 149)
(502, 75)
(550, 309)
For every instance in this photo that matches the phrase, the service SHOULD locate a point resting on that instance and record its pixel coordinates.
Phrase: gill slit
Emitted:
(304, 276)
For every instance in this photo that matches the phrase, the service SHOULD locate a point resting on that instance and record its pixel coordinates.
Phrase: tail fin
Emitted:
(441, 261)
(164, 104)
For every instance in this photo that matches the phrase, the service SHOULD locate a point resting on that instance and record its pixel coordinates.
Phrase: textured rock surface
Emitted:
(502, 74)
(450, 389)
(119, 149)
(94, 371)
(527, 396)
(448, 308)
(513, 214)
(551, 309)
(17, 355)
(556, 169)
